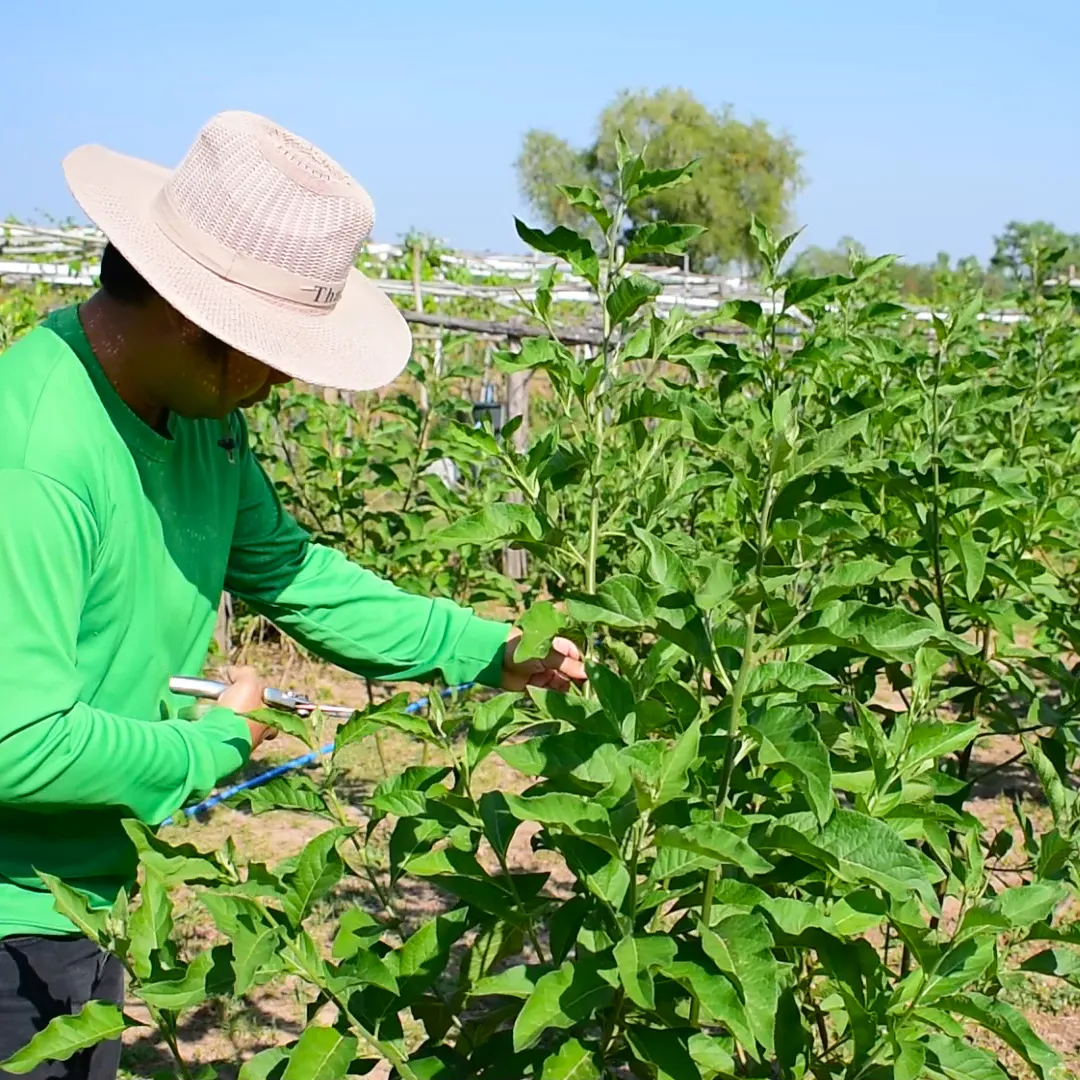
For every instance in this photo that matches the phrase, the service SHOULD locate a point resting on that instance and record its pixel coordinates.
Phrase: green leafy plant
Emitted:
(812, 576)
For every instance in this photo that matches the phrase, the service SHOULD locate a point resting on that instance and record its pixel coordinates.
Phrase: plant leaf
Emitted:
(95, 1022)
(661, 237)
(318, 870)
(321, 1053)
(629, 295)
(788, 738)
(572, 1061)
(565, 244)
(562, 998)
(711, 839)
(539, 625)
(636, 958)
(867, 849)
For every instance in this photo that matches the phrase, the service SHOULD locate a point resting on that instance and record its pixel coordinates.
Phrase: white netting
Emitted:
(243, 183)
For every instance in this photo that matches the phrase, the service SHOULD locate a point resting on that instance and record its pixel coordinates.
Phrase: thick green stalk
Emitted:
(935, 511)
(297, 962)
(167, 1027)
(724, 788)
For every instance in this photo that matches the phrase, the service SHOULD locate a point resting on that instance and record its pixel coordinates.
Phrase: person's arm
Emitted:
(344, 613)
(56, 750)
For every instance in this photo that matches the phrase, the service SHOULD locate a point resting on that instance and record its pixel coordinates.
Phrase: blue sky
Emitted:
(925, 126)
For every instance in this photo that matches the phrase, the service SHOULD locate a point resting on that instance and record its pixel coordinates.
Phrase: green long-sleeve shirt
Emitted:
(115, 545)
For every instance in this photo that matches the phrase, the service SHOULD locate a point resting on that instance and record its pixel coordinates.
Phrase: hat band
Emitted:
(241, 269)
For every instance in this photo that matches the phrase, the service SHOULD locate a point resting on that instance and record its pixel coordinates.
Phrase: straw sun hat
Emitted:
(253, 238)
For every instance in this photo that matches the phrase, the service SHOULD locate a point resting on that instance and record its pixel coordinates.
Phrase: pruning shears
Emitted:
(282, 700)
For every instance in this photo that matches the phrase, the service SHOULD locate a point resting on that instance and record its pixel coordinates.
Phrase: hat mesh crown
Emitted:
(265, 193)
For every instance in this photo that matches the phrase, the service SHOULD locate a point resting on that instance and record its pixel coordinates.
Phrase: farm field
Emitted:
(815, 815)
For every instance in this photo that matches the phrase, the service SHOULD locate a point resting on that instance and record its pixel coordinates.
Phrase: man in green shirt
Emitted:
(130, 500)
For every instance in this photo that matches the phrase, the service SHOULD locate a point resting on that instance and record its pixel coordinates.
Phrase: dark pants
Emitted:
(43, 977)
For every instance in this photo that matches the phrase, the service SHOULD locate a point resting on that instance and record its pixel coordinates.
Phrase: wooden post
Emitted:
(223, 627)
(418, 304)
(515, 561)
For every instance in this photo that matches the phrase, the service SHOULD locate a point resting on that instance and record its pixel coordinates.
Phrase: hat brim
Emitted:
(362, 343)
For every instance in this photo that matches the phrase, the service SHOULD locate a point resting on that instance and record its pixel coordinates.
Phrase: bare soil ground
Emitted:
(224, 1035)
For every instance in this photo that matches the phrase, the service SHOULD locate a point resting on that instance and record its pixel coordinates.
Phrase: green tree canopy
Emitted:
(1040, 247)
(744, 169)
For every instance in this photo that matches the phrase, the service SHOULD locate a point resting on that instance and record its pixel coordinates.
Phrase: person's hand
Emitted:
(559, 670)
(245, 695)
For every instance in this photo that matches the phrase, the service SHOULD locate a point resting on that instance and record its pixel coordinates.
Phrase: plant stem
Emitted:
(935, 511)
(167, 1026)
(720, 800)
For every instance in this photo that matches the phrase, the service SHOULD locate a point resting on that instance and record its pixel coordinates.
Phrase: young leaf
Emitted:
(367, 721)
(578, 815)
(673, 773)
(589, 200)
(717, 997)
(175, 863)
(364, 968)
(254, 940)
(95, 1022)
(661, 237)
(1062, 963)
(802, 289)
(357, 930)
(285, 793)
(909, 1061)
(518, 981)
(1061, 800)
(621, 601)
(961, 966)
(650, 181)
(539, 625)
(841, 581)
(789, 674)
(718, 585)
(629, 295)
(299, 727)
(825, 448)
(188, 987)
(565, 244)
(500, 521)
(973, 559)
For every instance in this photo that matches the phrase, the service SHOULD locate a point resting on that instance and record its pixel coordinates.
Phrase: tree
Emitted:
(817, 261)
(1037, 248)
(743, 170)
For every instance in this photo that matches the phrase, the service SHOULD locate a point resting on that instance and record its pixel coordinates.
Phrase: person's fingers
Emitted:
(566, 647)
(569, 666)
